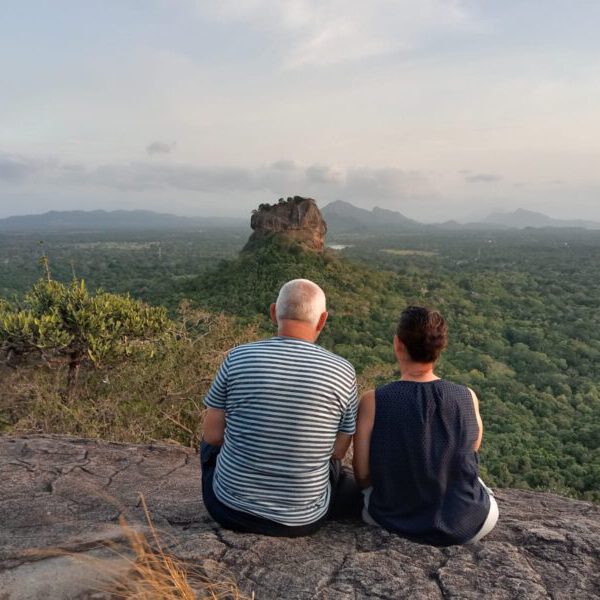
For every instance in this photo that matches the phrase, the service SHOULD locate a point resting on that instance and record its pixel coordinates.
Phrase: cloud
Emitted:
(387, 183)
(159, 148)
(482, 178)
(284, 165)
(328, 32)
(323, 174)
(283, 177)
(15, 168)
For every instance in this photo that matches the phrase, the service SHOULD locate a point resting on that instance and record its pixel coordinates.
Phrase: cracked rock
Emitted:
(61, 499)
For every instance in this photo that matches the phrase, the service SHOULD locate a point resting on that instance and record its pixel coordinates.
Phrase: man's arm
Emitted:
(362, 439)
(477, 444)
(213, 426)
(342, 443)
(347, 425)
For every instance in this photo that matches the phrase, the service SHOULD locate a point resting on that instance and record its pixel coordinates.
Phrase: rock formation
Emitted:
(296, 219)
(61, 498)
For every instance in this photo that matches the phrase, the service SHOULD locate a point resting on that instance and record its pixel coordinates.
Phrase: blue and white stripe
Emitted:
(285, 400)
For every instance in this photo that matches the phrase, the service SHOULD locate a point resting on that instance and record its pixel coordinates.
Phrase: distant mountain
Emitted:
(341, 217)
(345, 217)
(474, 226)
(102, 220)
(526, 218)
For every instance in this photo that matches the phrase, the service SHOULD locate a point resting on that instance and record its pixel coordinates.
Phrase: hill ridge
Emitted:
(341, 217)
(100, 219)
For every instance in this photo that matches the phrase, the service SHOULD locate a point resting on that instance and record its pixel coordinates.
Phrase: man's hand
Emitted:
(213, 426)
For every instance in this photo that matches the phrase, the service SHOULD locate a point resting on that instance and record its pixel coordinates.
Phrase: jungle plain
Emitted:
(522, 307)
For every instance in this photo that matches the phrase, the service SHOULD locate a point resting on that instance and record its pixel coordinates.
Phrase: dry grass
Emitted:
(157, 399)
(155, 574)
(134, 564)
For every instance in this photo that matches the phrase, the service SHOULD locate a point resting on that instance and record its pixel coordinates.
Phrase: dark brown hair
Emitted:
(424, 332)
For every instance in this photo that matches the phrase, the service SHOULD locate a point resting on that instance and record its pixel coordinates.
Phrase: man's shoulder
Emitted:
(275, 344)
(339, 361)
(248, 347)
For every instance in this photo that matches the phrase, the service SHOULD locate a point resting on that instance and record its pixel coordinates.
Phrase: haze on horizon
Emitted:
(438, 109)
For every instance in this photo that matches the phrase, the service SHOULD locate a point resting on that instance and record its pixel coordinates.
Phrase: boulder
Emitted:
(61, 499)
(296, 220)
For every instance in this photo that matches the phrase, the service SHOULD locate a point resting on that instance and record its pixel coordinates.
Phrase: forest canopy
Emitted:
(522, 310)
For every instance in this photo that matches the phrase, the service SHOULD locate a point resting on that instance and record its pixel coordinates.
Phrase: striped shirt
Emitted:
(285, 400)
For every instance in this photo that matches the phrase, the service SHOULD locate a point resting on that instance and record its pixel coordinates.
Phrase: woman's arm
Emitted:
(362, 439)
(477, 444)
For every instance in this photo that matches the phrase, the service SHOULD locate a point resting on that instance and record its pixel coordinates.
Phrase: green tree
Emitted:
(68, 324)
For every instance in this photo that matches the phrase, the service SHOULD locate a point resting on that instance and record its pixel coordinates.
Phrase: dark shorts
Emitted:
(345, 501)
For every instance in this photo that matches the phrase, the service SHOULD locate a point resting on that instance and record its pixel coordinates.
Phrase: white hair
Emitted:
(300, 300)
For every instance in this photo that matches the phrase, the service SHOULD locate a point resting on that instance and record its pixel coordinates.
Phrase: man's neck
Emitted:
(298, 330)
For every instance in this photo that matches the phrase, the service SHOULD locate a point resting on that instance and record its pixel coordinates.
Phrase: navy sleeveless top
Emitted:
(424, 471)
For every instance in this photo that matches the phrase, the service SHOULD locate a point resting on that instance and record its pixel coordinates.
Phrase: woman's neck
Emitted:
(410, 371)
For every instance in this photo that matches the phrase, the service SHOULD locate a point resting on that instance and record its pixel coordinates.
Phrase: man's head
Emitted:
(300, 310)
(423, 333)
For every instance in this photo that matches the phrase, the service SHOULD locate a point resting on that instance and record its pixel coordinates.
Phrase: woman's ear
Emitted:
(399, 347)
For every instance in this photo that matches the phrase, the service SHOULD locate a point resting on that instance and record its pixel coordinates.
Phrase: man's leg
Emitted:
(229, 518)
(215, 508)
(346, 498)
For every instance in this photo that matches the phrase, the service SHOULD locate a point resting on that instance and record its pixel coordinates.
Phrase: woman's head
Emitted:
(424, 333)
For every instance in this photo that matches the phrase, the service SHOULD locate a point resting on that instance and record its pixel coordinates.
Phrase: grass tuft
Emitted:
(155, 574)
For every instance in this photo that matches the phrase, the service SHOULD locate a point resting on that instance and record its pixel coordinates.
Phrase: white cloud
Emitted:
(328, 32)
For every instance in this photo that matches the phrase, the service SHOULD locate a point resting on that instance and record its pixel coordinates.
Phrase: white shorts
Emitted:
(488, 524)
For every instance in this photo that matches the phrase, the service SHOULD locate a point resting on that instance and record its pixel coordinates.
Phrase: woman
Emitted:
(416, 444)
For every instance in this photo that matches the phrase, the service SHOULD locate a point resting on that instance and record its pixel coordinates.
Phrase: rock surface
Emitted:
(60, 500)
(296, 219)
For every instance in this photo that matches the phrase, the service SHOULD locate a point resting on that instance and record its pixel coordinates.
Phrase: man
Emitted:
(277, 412)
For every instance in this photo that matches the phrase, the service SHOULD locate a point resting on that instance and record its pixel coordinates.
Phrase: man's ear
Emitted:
(322, 321)
(273, 313)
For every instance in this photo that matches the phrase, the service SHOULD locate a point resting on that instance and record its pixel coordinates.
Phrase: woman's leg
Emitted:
(366, 517)
(491, 519)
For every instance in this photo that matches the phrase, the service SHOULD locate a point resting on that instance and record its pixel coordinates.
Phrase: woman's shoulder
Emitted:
(455, 389)
(440, 382)
(452, 385)
(456, 394)
(442, 387)
(386, 388)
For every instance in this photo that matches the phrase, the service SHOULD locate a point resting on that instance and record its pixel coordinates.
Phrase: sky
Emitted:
(439, 109)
